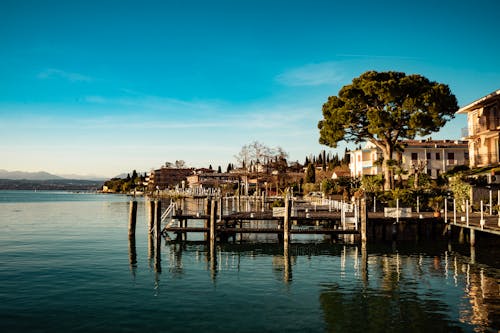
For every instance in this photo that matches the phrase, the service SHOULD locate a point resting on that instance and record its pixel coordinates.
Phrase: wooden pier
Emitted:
(219, 224)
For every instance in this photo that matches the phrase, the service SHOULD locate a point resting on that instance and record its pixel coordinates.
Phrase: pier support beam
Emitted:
(461, 236)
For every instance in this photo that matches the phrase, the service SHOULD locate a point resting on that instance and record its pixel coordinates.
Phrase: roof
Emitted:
(473, 105)
(427, 143)
(435, 143)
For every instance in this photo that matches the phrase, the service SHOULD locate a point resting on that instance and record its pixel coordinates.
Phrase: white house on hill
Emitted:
(433, 157)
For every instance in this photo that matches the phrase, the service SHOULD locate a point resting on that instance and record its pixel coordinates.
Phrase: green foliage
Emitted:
(424, 180)
(327, 186)
(372, 184)
(383, 107)
(309, 187)
(435, 202)
(460, 189)
(278, 203)
(457, 169)
(125, 185)
(310, 174)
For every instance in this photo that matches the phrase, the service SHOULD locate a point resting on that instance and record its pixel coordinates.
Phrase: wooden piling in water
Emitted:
(472, 238)
(157, 212)
(363, 218)
(213, 217)
(286, 222)
(132, 218)
(151, 216)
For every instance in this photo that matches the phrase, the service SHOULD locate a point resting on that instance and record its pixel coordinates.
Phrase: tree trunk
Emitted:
(388, 174)
(387, 150)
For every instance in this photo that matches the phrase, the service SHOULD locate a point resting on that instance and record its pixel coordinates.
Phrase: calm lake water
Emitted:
(66, 265)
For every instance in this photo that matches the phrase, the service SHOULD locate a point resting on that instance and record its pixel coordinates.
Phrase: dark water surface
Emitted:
(66, 264)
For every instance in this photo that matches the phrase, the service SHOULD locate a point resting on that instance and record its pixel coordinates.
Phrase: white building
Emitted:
(433, 157)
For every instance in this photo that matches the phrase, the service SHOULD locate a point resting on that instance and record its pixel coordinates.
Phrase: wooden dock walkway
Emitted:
(320, 222)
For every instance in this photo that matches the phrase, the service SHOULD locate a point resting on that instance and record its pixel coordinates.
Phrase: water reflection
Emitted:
(132, 255)
(392, 290)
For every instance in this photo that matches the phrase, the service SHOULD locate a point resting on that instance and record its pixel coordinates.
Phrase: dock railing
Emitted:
(169, 213)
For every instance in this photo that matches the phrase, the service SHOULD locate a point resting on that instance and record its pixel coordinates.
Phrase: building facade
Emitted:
(432, 157)
(483, 126)
(164, 178)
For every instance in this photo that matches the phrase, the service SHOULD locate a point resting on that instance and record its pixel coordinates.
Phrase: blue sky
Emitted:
(104, 87)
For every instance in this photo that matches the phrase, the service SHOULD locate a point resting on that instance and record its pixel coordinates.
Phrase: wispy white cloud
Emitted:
(148, 103)
(312, 75)
(57, 73)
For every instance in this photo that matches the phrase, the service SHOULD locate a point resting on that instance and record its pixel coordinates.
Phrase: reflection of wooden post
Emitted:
(287, 276)
(132, 254)
(472, 237)
(364, 264)
(151, 248)
(461, 236)
(132, 219)
(158, 237)
(363, 218)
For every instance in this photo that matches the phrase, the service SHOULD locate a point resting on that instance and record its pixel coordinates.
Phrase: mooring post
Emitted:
(151, 215)
(286, 222)
(364, 218)
(213, 210)
(132, 218)
(158, 219)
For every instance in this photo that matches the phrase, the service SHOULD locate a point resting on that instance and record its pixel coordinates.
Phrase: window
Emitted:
(438, 156)
(414, 156)
(451, 158)
(428, 156)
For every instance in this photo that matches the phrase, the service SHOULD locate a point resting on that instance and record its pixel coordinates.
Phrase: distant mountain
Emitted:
(84, 177)
(41, 175)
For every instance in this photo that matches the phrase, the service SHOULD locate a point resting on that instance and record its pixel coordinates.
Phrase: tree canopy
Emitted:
(384, 107)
